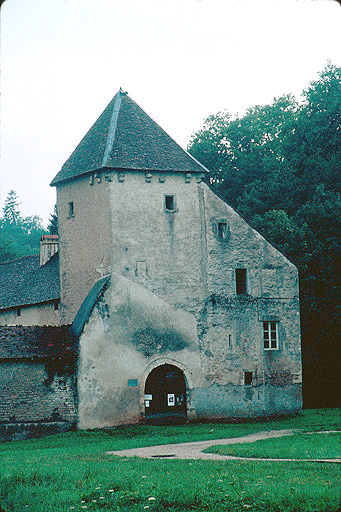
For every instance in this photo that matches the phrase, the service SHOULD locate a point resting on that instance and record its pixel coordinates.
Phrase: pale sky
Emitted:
(62, 61)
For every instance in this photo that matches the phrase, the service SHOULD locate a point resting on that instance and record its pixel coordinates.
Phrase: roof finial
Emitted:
(124, 93)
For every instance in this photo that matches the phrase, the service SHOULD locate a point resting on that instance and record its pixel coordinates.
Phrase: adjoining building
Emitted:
(179, 308)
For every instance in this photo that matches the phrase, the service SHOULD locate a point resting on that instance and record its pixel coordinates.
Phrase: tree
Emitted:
(19, 236)
(11, 209)
(53, 224)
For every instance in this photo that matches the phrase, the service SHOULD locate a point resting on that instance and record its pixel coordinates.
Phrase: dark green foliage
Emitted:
(279, 166)
(19, 236)
(53, 225)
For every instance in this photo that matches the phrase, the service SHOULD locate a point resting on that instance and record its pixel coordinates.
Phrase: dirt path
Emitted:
(193, 450)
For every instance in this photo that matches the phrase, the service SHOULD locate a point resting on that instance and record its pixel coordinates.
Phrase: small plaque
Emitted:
(148, 397)
(132, 382)
(147, 403)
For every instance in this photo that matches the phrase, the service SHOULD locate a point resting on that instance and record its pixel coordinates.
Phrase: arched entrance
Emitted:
(165, 395)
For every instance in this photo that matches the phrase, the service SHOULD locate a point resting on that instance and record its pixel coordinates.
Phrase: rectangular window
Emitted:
(247, 378)
(221, 230)
(18, 312)
(241, 281)
(71, 210)
(169, 203)
(270, 334)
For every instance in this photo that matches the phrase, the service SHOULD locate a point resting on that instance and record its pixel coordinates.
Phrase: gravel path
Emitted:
(194, 449)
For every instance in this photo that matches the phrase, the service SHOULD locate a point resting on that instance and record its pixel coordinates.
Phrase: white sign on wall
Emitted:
(170, 399)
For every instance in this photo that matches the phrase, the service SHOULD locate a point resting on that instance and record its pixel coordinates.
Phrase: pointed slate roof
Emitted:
(125, 137)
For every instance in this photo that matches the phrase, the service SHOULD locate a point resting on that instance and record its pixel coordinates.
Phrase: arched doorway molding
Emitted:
(173, 362)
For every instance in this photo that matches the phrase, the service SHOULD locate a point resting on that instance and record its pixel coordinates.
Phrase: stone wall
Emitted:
(37, 386)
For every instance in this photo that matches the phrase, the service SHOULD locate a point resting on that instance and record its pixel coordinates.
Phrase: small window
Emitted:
(240, 281)
(247, 378)
(270, 335)
(56, 305)
(71, 209)
(170, 203)
(18, 312)
(222, 230)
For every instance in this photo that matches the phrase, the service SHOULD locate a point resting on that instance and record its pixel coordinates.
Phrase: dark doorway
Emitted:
(165, 395)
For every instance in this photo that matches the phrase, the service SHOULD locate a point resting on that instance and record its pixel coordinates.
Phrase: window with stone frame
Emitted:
(240, 274)
(270, 335)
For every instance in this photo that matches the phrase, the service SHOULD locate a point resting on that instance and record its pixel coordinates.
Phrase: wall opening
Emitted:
(165, 395)
(241, 281)
(169, 203)
(70, 209)
(247, 378)
(222, 228)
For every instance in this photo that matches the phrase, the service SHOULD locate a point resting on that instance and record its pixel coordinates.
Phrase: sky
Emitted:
(62, 61)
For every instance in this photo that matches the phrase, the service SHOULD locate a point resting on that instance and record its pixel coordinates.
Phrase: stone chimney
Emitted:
(48, 247)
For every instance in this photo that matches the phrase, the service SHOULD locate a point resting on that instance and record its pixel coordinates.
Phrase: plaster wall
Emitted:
(84, 241)
(131, 331)
(39, 314)
(131, 233)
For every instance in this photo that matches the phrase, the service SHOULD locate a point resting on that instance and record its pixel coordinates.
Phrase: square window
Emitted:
(270, 335)
(169, 203)
(241, 281)
(247, 378)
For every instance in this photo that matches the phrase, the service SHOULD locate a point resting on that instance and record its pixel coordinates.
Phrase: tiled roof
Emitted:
(24, 282)
(125, 137)
(31, 342)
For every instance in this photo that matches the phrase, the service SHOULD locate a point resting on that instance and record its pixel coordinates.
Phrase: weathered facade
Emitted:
(181, 310)
(194, 289)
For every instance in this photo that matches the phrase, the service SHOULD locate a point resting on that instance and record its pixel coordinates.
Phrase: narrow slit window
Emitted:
(240, 281)
(270, 334)
(71, 209)
(18, 312)
(247, 378)
(169, 203)
(221, 230)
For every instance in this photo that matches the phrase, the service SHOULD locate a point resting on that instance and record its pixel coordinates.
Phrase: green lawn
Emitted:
(299, 446)
(72, 470)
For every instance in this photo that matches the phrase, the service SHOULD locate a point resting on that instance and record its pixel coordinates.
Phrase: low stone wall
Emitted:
(37, 386)
(20, 431)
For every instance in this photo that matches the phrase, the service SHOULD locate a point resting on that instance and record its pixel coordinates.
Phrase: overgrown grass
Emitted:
(299, 446)
(72, 470)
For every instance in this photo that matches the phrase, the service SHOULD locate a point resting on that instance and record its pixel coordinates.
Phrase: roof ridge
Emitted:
(112, 126)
